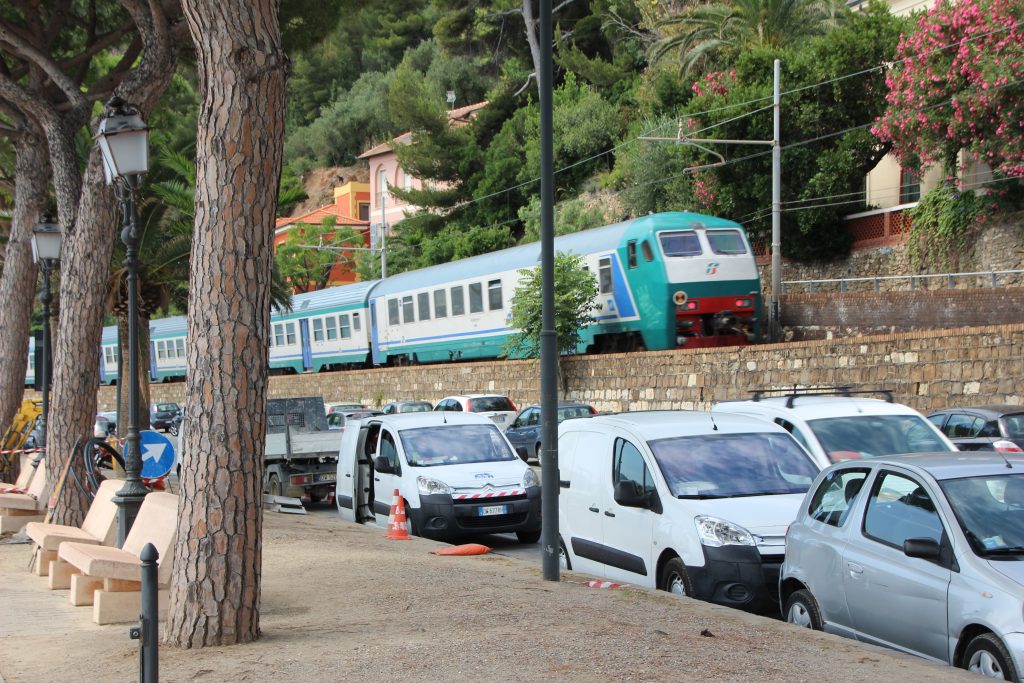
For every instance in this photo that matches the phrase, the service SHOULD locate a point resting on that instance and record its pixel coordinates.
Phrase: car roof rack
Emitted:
(794, 393)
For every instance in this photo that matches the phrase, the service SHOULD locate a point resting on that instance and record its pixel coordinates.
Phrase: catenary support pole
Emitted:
(383, 231)
(548, 336)
(775, 331)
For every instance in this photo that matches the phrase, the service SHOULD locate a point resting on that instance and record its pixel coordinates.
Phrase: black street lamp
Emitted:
(124, 143)
(46, 240)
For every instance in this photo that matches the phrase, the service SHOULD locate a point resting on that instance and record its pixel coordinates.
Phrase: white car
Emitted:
(682, 501)
(456, 472)
(499, 408)
(836, 425)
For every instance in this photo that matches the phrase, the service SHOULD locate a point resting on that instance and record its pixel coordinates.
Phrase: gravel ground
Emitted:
(341, 602)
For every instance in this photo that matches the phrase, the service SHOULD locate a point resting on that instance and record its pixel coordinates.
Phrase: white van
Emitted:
(682, 501)
(456, 472)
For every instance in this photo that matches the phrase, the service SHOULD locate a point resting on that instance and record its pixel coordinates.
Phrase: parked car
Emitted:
(524, 432)
(111, 417)
(499, 408)
(683, 501)
(361, 414)
(835, 424)
(983, 428)
(457, 475)
(102, 427)
(343, 407)
(922, 553)
(162, 415)
(407, 407)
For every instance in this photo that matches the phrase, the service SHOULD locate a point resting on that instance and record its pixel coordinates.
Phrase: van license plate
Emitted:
(325, 477)
(488, 510)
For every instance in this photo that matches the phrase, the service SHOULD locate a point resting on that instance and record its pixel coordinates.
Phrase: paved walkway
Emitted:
(340, 602)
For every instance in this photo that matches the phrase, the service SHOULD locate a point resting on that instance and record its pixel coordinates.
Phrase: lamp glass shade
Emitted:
(46, 240)
(124, 144)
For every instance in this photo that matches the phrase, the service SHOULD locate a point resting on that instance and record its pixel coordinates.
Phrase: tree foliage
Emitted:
(304, 266)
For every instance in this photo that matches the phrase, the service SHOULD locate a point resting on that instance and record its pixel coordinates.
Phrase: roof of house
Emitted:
(456, 118)
(317, 216)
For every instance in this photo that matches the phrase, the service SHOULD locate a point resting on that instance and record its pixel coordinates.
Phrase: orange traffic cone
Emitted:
(398, 529)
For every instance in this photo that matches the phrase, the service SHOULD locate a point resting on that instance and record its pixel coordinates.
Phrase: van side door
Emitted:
(631, 510)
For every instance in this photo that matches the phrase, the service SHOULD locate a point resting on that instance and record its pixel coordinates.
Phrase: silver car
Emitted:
(923, 553)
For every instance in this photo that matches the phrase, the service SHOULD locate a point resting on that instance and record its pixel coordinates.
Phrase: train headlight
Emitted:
(679, 298)
(744, 302)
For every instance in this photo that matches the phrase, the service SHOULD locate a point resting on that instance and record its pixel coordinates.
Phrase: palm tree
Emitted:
(707, 32)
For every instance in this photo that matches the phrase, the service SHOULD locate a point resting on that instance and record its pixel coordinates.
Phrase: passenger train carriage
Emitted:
(669, 280)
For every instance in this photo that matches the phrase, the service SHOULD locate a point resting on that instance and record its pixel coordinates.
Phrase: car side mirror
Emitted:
(383, 465)
(626, 495)
(924, 548)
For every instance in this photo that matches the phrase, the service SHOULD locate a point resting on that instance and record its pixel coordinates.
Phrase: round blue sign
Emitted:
(157, 454)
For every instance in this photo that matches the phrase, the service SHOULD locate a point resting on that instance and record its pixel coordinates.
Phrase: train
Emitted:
(665, 281)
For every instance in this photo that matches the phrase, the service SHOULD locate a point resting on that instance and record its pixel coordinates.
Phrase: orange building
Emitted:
(351, 208)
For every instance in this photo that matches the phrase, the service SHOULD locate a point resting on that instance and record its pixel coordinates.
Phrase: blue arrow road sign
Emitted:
(157, 454)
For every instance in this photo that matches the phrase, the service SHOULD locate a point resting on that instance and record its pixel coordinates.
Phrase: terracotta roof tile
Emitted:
(317, 216)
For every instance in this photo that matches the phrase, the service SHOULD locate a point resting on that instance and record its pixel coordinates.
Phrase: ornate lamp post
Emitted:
(46, 241)
(124, 143)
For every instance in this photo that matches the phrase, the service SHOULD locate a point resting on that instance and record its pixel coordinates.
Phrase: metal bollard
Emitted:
(147, 632)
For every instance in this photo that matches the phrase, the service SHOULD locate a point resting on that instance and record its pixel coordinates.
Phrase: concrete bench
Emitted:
(109, 579)
(98, 528)
(18, 509)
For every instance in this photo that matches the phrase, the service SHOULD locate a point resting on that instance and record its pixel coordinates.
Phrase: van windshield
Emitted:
(868, 436)
(454, 445)
(733, 465)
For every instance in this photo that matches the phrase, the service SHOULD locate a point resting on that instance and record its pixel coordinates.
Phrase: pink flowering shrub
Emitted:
(705, 190)
(958, 83)
(717, 82)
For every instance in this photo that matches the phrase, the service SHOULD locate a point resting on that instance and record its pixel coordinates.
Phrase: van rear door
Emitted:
(581, 502)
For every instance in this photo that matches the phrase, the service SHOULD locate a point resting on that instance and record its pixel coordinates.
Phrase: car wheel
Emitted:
(802, 610)
(675, 578)
(274, 485)
(563, 556)
(536, 451)
(173, 429)
(986, 655)
(527, 537)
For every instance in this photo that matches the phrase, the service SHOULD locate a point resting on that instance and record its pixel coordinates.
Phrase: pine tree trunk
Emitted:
(18, 281)
(215, 582)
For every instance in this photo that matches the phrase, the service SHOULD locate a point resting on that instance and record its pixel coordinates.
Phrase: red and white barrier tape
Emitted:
(19, 451)
(482, 496)
(600, 584)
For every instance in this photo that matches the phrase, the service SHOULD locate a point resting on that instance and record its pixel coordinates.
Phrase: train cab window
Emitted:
(476, 298)
(331, 323)
(458, 301)
(631, 253)
(318, 330)
(605, 275)
(440, 304)
(355, 322)
(393, 311)
(680, 243)
(423, 299)
(343, 327)
(645, 247)
(726, 242)
(408, 313)
(494, 295)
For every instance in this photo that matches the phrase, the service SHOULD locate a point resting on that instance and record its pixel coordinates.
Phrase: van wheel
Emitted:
(675, 578)
(410, 523)
(563, 556)
(274, 485)
(802, 610)
(986, 655)
(527, 537)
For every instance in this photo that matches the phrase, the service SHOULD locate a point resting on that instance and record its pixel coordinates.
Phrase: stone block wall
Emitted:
(925, 369)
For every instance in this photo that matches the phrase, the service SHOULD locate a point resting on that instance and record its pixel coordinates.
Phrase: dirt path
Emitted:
(342, 603)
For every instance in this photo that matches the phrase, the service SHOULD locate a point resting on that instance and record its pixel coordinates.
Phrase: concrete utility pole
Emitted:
(548, 335)
(774, 331)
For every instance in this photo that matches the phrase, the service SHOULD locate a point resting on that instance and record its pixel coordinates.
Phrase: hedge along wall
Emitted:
(924, 369)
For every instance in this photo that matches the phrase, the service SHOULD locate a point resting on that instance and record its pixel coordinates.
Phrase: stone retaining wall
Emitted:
(925, 369)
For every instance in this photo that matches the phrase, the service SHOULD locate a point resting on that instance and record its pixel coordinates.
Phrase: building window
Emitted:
(476, 298)
(910, 185)
(392, 311)
(494, 295)
(382, 186)
(407, 182)
(423, 300)
(364, 211)
(440, 304)
(458, 301)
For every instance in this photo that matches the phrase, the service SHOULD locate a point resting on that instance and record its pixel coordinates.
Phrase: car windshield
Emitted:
(454, 445)
(164, 407)
(733, 465)
(868, 436)
(1014, 425)
(990, 511)
(488, 403)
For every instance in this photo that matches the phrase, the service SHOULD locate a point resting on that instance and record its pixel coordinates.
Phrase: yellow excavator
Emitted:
(18, 433)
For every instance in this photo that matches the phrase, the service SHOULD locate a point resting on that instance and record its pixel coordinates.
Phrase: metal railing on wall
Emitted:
(989, 278)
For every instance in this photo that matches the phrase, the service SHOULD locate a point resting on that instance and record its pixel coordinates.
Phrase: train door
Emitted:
(374, 342)
(152, 361)
(307, 350)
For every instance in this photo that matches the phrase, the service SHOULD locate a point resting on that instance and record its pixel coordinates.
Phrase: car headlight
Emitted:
(716, 532)
(530, 478)
(432, 487)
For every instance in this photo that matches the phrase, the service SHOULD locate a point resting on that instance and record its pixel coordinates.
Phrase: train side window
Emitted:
(605, 275)
(408, 313)
(279, 335)
(346, 331)
(331, 323)
(631, 253)
(458, 301)
(161, 351)
(289, 330)
(423, 299)
(180, 343)
(494, 295)
(476, 298)
(318, 329)
(645, 247)
(440, 304)
(355, 322)
(392, 311)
